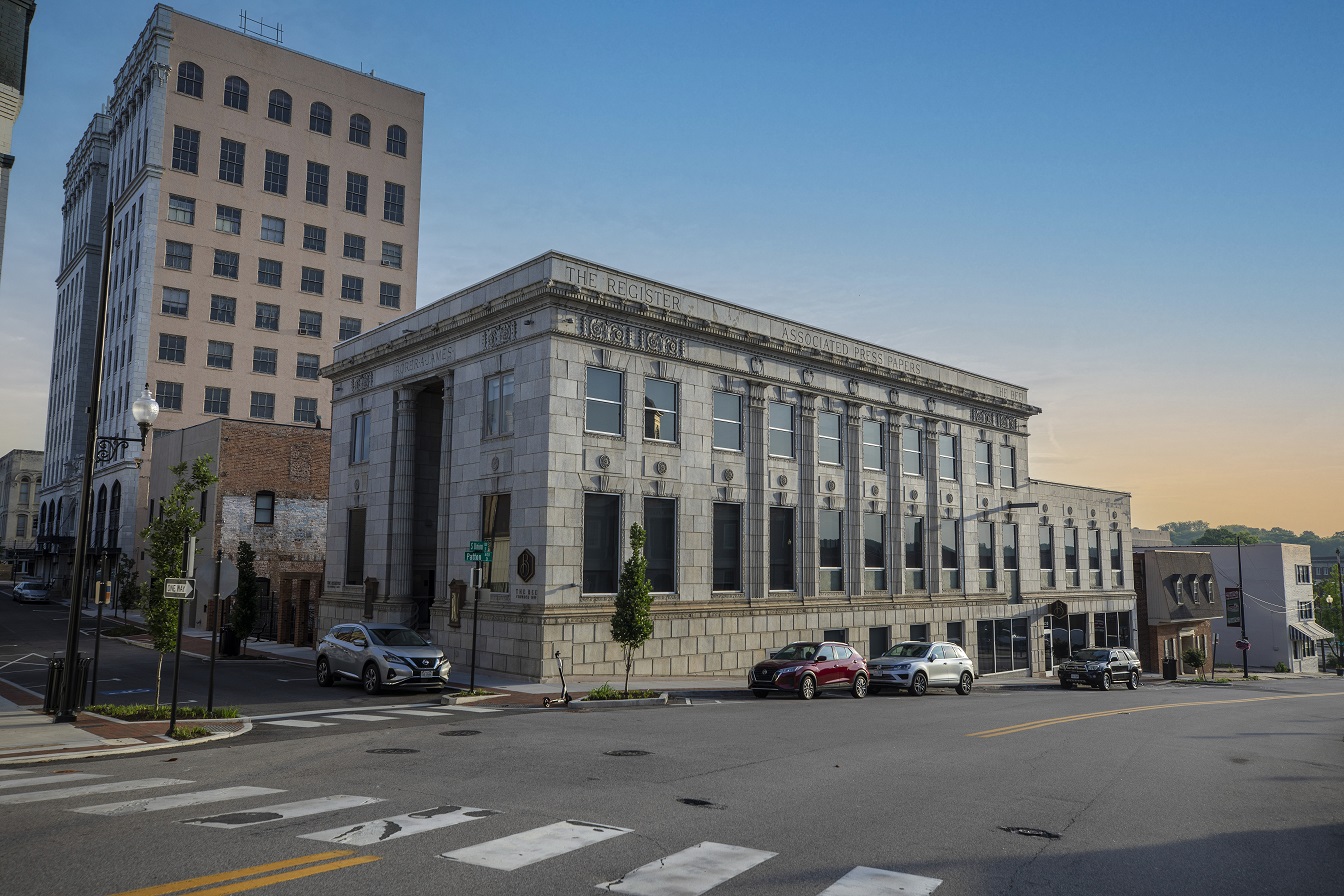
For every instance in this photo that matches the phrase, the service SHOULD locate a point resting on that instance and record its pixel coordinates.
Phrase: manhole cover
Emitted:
(700, 804)
(459, 732)
(396, 751)
(1031, 832)
(626, 753)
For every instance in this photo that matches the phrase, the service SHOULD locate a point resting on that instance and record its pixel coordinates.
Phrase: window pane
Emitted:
(947, 457)
(781, 429)
(874, 551)
(660, 410)
(983, 464)
(912, 451)
(872, 444)
(828, 438)
(830, 551)
(603, 401)
(660, 522)
(727, 539)
(728, 421)
(781, 549)
(601, 543)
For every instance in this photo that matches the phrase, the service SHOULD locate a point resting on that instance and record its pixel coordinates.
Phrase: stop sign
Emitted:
(1243, 644)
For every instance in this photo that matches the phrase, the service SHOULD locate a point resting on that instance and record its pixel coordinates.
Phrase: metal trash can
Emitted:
(1170, 669)
(51, 700)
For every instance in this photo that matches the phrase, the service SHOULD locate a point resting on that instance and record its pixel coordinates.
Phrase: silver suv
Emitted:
(920, 665)
(379, 655)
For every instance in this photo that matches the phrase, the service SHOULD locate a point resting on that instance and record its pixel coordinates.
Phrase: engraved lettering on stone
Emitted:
(993, 418)
(420, 363)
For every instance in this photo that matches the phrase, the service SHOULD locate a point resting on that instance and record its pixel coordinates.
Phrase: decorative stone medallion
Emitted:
(783, 480)
(527, 565)
(660, 468)
(727, 475)
(603, 461)
(494, 464)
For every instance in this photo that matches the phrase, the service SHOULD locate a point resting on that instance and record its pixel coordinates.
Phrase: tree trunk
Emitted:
(629, 661)
(158, 682)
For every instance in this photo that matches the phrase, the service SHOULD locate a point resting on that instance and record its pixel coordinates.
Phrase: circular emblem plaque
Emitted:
(830, 485)
(603, 461)
(494, 464)
(727, 475)
(660, 468)
(783, 480)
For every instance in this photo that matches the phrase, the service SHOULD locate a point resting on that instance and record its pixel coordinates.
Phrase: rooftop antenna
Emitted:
(259, 28)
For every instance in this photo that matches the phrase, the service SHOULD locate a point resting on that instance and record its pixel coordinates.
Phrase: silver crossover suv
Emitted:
(379, 655)
(920, 665)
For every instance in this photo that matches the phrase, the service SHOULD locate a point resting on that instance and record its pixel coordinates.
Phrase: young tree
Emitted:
(631, 624)
(243, 617)
(128, 584)
(1194, 657)
(165, 540)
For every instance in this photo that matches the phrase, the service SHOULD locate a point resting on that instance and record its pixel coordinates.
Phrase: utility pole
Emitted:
(1241, 588)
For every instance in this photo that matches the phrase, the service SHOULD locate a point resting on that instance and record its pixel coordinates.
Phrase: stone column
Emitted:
(807, 495)
(443, 518)
(403, 499)
(895, 516)
(854, 502)
(933, 536)
(755, 542)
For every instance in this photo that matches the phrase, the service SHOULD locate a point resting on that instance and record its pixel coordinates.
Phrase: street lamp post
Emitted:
(1241, 590)
(1339, 629)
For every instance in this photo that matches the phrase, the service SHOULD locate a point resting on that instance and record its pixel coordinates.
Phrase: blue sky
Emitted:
(1135, 210)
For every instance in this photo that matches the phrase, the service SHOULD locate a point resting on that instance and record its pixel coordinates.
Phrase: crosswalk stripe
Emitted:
(456, 708)
(37, 796)
(177, 800)
(282, 811)
(433, 714)
(361, 717)
(862, 881)
(39, 780)
(690, 872)
(528, 847)
(299, 723)
(383, 829)
(10, 774)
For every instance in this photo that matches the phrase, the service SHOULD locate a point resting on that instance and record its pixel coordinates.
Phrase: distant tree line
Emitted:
(1200, 532)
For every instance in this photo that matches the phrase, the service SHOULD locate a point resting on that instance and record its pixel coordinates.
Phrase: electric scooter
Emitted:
(564, 698)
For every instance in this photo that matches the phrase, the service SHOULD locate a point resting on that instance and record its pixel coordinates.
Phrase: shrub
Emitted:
(190, 732)
(606, 692)
(1281, 666)
(143, 712)
(1194, 657)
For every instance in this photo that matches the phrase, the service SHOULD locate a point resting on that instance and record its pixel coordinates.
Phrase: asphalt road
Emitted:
(1154, 791)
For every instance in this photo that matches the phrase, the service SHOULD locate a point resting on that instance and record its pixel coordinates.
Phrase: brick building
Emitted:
(1178, 596)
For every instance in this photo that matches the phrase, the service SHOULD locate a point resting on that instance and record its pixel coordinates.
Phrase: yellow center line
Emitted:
(1042, 723)
(236, 875)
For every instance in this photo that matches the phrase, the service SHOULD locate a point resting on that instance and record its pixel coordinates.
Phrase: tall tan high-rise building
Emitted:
(265, 204)
(16, 17)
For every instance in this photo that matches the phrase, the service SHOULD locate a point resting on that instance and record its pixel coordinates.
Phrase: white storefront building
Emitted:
(794, 483)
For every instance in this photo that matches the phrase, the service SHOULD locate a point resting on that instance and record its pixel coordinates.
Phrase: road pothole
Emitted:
(626, 753)
(393, 751)
(1031, 832)
(698, 803)
(459, 732)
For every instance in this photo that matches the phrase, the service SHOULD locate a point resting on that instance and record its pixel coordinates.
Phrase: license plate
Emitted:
(425, 674)
(1076, 677)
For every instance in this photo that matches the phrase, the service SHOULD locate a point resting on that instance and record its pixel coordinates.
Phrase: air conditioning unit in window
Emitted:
(386, 263)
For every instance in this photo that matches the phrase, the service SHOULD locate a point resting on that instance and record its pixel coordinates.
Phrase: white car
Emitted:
(31, 593)
(917, 666)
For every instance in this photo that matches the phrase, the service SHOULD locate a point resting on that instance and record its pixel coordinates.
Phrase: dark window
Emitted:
(226, 264)
(280, 107)
(265, 508)
(950, 552)
(232, 156)
(396, 140)
(307, 367)
(912, 452)
(263, 405)
(359, 438)
(175, 301)
(495, 532)
(168, 395)
(219, 354)
(829, 440)
(601, 542)
(874, 552)
(356, 193)
(272, 229)
(352, 288)
(172, 348)
(914, 552)
(235, 93)
(314, 238)
(268, 316)
(216, 400)
(389, 295)
(276, 179)
(310, 323)
(781, 549)
(191, 79)
(394, 202)
(305, 410)
(350, 327)
(318, 177)
(780, 422)
(728, 421)
(354, 246)
(354, 543)
(177, 256)
(871, 432)
(312, 280)
(186, 149)
(269, 272)
(660, 410)
(228, 219)
(359, 129)
(727, 547)
(264, 360)
(830, 551)
(319, 118)
(984, 463)
(499, 404)
(603, 400)
(660, 523)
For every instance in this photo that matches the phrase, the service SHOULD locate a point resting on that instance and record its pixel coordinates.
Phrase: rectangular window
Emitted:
(829, 444)
(349, 329)
(272, 229)
(950, 553)
(727, 547)
(1046, 538)
(307, 366)
(1117, 562)
(231, 159)
(276, 179)
(984, 463)
(1303, 574)
(912, 451)
(499, 404)
(986, 555)
(263, 406)
(601, 543)
(313, 280)
(269, 272)
(495, 512)
(228, 219)
(305, 410)
(1071, 556)
(1002, 645)
(314, 238)
(172, 348)
(660, 524)
(356, 193)
(914, 553)
(389, 295)
(177, 256)
(874, 552)
(830, 551)
(919, 631)
(226, 264)
(354, 545)
(1111, 630)
(223, 309)
(660, 410)
(318, 178)
(394, 203)
(186, 149)
(728, 421)
(1010, 561)
(175, 301)
(268, 316)
(782, 553)
(168, 395)
(181, 209)
(392, 255)
(264, 360)
(359, 438)
(871, 431)
(352, 288)
(1007, 466)
(603, 400)
(1094, 557)
(354, 246)
(310, 323)
(216, 400)
(956, 633)
(780, 418)
(947, 456)
(219, 354)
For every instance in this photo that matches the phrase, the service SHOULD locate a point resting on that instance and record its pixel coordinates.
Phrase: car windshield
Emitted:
(397, 637)
(796, 652)
(909, 649)
(1092, 656)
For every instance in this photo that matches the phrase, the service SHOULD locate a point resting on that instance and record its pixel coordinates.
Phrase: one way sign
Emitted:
(178, 589)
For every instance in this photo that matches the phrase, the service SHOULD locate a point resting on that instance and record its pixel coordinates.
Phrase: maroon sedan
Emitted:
(804, 667)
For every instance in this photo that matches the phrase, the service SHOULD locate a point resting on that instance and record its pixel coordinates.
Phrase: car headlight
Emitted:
(1095, 667)
(901, 667)
(787, 670)
(393, 658)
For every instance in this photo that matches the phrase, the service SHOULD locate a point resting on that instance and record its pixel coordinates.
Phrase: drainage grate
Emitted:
(459, 732)
(395, 751)
(626, 753)
(1031, 832)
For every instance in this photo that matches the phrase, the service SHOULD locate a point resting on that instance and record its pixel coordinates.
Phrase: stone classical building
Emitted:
(264, 205)
(16, 17)
(794, 483)
(20, 479)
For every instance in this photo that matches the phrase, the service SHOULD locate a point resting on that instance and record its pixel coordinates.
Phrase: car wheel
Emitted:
(1133, 684)
(761, 694)
(919, 685)
(964, 686)
(324, 679)
(1105, 681)
(373, 682)
(860, 688)
(807, 688)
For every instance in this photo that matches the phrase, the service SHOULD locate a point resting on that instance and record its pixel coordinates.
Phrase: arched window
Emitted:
(280, 106)
(190, 79)
(396, 140)
(359, 129)
(99, 516)
(265, 508)
(114, 517)
(319, 118)
(235, 93)
(25, 492)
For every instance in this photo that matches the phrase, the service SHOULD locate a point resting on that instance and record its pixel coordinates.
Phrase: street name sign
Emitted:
(480, 556)
(178, 589)
(477, 546)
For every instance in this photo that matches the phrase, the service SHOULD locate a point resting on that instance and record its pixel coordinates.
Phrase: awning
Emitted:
(1306, 630)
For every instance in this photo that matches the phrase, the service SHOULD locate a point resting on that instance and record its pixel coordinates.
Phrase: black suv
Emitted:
(1100, 667)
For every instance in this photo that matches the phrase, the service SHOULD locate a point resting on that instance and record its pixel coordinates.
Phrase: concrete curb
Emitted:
(136, 748)
(585, 703)
(454, 700)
